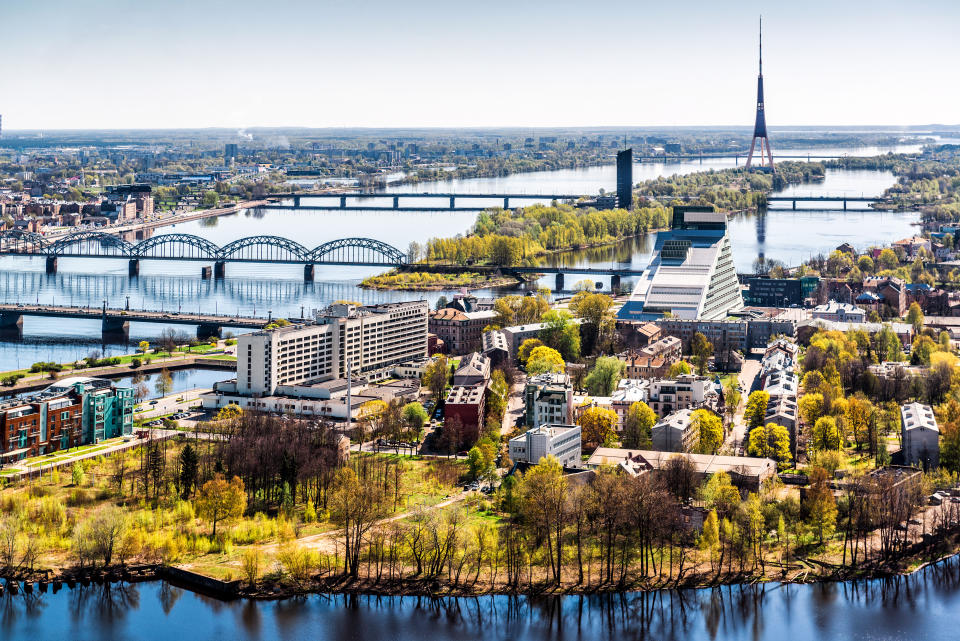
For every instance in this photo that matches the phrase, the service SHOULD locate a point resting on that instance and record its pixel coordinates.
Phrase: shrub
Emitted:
(79, 497)
(252, 561)
(135, 363)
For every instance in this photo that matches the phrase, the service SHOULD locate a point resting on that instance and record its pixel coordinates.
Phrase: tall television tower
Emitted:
(760, 127)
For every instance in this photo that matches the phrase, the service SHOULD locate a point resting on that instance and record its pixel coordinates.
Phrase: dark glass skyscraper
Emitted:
(625, 179)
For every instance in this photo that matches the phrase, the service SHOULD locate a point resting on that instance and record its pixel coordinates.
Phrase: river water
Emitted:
(922, 606)
(782, 233)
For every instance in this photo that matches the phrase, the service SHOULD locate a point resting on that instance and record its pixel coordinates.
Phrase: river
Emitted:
(921, 606)
(781, 233)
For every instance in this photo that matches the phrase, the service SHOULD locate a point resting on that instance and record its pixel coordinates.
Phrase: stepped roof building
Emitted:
(691, 274)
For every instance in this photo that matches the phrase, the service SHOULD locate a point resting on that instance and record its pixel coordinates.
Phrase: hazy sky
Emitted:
(238, 63)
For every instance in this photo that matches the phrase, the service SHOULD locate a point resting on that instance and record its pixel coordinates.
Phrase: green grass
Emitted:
(222, 357)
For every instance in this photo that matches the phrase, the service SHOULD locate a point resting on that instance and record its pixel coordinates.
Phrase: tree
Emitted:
(544, 359)
(143, 347)
(597, 426)
(701, 350)
(252, 561)
(561, 333)
(888, 259)
(229, 412)
(189, 463)
(164, 383)
(78, 476)
(415, 417)
(756, 409)
(710, 536)
(481, 457)
(356, 507)
(105, 530)
(915, 317)
(606, 373)
(637, 426)
(708, 429)
(527, 346)
(770, 441)
(435, 377)
(219, 500)
(210, 198)
(597, 315)
(811, 408)
(820, 505)
(825, 436)
(544, 497)
(679, 369)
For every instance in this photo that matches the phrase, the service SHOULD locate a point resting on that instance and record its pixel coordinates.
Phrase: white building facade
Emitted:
(560, 441)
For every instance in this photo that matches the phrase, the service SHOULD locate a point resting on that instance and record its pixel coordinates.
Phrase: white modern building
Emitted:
(920, 435)
(561, 441)
(691, 274)
(683, 392)
(375, 339)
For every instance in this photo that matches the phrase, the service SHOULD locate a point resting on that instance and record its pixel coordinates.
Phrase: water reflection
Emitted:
(893, 608)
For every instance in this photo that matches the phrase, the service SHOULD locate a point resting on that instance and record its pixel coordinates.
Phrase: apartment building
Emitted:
(71, 412)
(460, 331)
(373, 339)
(687, 391)
(548, 399)
(560, 441)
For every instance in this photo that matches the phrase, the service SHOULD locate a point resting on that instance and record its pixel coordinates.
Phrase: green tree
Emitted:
(679, 369)
(811, 408)
(637, 426)
(606, 373)
(710, 536)
(915, 317)
(561, 333)
(709, 431)
(545, 504)
(825, 435)
(210, 198)
(888, 259)
(77, 475)
(820, 505)
(770, 441)
(756, 409)
(189, 464)
(164, 384)
(415, 417)
(436, 375)
(701, 350)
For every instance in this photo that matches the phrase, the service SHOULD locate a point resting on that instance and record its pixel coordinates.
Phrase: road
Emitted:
(748, 378)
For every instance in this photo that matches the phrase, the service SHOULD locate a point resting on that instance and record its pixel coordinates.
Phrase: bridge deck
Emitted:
(138, 316)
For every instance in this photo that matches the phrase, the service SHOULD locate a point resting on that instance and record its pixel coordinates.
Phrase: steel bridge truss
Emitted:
(254, 249)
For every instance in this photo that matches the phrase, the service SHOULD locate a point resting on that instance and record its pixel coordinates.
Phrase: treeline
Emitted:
(513, 237)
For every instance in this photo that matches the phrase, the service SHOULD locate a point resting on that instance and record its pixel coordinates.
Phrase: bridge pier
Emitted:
(343, 202)
(11, 320)
(615, 283)
(506, 203)
(794, 204)
(559, 283)
(133, 267)
(308, 273)
(116, 326)
(453, 201)
(206, 272)
(296, 201)
(396, 202)
(51, 264)
(844, 204)
(208, 330)
(220, 270)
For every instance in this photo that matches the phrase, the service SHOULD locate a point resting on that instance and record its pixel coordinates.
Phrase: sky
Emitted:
(114, 64)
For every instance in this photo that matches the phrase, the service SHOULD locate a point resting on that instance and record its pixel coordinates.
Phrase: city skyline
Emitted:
(384, 65)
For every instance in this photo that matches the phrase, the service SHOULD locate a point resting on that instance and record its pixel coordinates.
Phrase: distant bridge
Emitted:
(117, 321)
(395, 197)
(827, 199)
(254, 249)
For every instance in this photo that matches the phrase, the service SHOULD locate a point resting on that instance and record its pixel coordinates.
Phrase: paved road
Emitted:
(748, 377)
